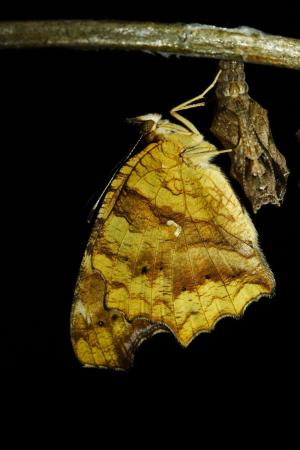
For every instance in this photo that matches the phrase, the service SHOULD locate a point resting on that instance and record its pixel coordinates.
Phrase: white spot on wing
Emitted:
(81, 309)
(178, 227)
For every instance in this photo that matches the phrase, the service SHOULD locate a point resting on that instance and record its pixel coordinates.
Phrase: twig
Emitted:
(195, 40)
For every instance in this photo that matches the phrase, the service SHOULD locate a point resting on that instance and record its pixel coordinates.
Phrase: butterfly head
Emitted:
(153, 127)
(147, 123)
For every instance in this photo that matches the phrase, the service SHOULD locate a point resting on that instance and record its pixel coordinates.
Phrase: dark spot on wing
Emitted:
(144, 269)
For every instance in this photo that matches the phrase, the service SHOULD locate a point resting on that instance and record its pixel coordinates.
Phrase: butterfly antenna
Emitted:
(94, 208)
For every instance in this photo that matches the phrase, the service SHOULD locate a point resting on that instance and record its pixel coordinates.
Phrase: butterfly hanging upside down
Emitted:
(172, 249)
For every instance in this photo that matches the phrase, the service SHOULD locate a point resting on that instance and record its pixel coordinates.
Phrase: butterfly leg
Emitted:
(188, 104)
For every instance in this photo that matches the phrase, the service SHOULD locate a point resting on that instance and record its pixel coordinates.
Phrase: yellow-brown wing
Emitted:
(102, 337)
(174, 246)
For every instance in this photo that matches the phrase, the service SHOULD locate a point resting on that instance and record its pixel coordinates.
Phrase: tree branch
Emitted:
(244, 44)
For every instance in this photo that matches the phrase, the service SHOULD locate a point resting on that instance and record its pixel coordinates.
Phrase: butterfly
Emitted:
(171, 250)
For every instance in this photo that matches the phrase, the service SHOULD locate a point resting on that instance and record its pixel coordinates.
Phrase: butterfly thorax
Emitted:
(191, 146)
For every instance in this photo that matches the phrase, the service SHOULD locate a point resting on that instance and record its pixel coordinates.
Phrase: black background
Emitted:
(63, 130)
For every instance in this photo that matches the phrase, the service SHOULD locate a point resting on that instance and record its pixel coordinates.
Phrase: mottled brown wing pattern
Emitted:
(172, 250)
